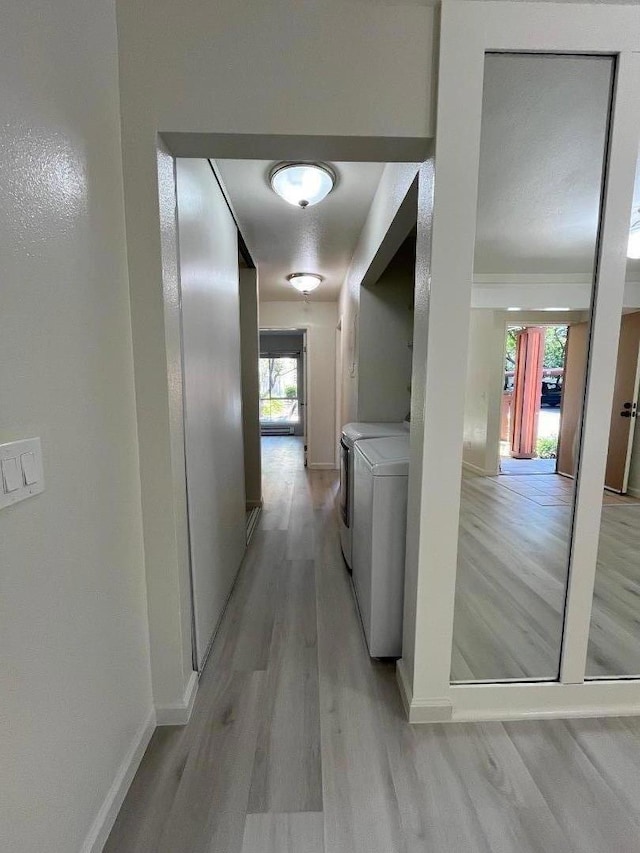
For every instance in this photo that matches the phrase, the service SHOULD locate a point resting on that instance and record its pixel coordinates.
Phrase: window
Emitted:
(279, 389)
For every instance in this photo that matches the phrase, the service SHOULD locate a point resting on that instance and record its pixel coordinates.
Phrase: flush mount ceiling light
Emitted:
(305, 282)
(302, 184)
(633, 247)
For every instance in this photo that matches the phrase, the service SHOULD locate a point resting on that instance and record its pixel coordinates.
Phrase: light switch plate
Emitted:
(22, 471)
(11, 478)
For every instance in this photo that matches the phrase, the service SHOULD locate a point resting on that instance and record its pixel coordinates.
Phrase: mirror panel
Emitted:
(542, 151)
(614, 634)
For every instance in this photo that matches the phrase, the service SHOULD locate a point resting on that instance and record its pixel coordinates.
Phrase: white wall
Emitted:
(250, 386)
(320, 320)
(395, 183)
(385, 338)
(485, 377)
(222, 67)
(74, 666)
(212, 392)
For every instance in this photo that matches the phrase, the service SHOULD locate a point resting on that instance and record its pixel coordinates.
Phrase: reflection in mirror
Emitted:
(542, 152)
(614, 636)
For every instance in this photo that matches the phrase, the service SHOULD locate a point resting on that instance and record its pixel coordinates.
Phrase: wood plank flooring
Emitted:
(512, 574)
(298, 742)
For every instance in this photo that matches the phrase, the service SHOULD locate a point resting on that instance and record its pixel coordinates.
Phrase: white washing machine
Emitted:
(381, 477)
(351, 434)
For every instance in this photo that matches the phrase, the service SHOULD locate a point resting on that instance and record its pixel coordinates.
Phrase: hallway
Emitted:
(298, 742)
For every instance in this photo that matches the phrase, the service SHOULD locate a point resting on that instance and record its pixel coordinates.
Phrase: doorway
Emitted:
(532, 398)
(283, 394)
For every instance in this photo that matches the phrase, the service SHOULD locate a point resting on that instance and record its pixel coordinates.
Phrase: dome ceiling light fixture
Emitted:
(633, 247)
(304, 282)
(302, 184)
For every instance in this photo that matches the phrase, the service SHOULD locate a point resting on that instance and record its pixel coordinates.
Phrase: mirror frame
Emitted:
(446, 240)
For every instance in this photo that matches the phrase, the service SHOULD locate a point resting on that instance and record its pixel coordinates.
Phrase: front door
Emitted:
(526, 392)
(625, 398)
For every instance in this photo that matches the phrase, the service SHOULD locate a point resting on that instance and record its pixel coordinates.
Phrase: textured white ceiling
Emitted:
(543, 131)
(283, 239)
(544, 128)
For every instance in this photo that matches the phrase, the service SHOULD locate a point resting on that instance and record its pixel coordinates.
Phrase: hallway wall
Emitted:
(249, 340)
(74, 661)
(320, 319)
(212, 392)
(385, 340)
(395, 183)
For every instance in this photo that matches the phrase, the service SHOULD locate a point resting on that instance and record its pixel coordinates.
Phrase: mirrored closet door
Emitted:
(544, 129)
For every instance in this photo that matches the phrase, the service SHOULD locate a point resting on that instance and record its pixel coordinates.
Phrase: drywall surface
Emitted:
(212, 392)
(224, 67)
(164, 494)
(320, 320)
(395, 183)
(411, 636)
(485, 377)
(250, 387)
(385, 341)
(74, 668)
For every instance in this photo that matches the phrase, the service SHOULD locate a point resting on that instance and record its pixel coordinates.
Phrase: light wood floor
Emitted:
(298, 743)
(512, 576)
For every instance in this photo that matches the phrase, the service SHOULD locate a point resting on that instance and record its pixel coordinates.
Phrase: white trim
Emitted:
(102, 825)
(252, 523)
(432, 711)
(601, 369)
(633, 493)
(543, 700)
(476, 469)
(179, 713)
(322, 466)
(539, 279)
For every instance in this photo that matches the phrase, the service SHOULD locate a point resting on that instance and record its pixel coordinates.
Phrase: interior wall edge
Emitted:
(179, 714)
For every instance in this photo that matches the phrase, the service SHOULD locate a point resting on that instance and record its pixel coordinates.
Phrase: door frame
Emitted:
(302, 366)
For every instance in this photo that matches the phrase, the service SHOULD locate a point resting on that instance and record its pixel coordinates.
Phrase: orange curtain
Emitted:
(526, 392)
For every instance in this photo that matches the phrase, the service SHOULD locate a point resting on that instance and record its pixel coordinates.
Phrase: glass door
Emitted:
(279, 390)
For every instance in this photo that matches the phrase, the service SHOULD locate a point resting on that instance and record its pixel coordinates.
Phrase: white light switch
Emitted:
(29, 469)
(21, 468)
(11, 479)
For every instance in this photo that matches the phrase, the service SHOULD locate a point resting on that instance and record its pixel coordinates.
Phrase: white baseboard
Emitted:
(321, 466)
(106, 817)
(633, 493)
(179, 714)
(437, 711)
(475, 469)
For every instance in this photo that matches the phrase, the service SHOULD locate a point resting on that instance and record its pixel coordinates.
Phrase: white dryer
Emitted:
(352, 434)
(381, 477)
